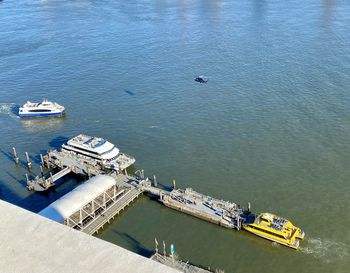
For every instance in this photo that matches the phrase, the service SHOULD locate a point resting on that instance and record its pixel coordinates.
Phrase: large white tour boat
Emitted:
(98, 150)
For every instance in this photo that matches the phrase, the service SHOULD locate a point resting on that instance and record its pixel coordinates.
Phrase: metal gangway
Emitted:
(42, 183)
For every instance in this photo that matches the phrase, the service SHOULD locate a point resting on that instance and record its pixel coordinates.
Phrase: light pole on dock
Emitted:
(172, 251)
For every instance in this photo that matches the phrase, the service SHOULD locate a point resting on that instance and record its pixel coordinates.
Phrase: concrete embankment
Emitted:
(32, 243)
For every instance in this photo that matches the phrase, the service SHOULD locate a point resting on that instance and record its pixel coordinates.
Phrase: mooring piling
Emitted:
(15, 156)
(154, 181)
(27, 178)
(29, 164)
(41, 171)
(47, 162)
(42, 160)
(88, 172)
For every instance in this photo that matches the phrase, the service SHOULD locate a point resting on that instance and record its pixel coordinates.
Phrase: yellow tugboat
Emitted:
(274, 228)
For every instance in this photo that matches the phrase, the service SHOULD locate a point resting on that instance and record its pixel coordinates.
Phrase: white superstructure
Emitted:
(39, 109)
(98, 149)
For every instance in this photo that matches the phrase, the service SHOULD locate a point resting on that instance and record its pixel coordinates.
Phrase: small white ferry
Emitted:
(41, 109)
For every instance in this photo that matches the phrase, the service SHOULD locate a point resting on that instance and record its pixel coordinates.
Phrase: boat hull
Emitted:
(30, 115)
(272, 238)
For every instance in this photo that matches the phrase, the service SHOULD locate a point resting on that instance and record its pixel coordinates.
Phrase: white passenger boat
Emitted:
(98, 150)
(40, 109)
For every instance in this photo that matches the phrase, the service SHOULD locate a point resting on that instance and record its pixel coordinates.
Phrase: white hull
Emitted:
(42, 109)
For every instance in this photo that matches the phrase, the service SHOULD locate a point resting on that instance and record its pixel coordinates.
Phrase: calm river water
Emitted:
(271, 127)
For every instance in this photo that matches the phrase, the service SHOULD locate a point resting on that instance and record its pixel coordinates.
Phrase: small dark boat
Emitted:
(201, 79)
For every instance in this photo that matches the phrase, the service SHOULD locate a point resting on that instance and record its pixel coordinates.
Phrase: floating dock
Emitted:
(96, 202)
(123, 189)
(222, 213)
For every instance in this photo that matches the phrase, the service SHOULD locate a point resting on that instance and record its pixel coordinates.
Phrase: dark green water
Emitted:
(271, 127)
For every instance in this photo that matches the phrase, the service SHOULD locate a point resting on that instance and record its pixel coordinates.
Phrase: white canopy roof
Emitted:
(77, 198)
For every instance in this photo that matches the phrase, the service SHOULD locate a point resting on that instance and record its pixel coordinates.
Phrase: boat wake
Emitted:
(9, 109)
(327, 250)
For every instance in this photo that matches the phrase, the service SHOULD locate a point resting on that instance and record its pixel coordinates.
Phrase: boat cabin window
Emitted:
(81, 150)
(268, 232)
(106, 152)
(39, 110)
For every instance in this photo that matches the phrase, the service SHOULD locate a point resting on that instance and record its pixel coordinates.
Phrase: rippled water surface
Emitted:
(271, 127)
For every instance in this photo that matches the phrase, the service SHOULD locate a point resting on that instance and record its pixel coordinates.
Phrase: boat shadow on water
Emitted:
(57, 142)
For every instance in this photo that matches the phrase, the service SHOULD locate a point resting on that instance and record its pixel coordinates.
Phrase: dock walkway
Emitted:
(61, 173)
(112, 211)
(43, 184)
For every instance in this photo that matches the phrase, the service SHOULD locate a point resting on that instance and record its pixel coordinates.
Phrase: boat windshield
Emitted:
(106, 152)
(100, 143)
